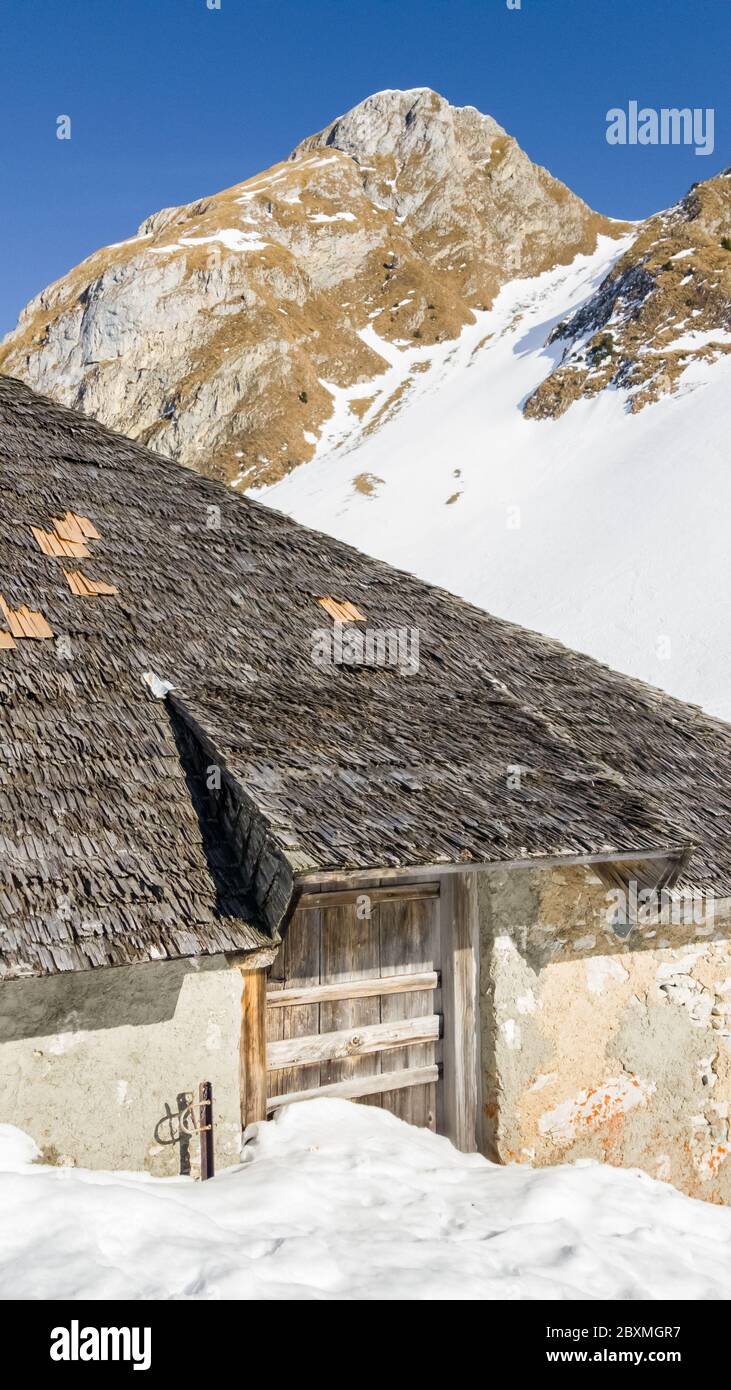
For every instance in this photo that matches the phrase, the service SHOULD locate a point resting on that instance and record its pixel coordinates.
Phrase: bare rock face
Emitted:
(466, 195)
(665, 304)
(214, 334)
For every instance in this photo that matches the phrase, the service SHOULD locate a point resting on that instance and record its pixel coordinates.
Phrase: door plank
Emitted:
(349, 1042)
(350, 950)
(361, 1086)
(301, 970)
(409, 943)
(354, 989)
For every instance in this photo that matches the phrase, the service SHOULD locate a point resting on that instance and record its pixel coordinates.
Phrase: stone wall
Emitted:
(92, 1064)
(602, 1043)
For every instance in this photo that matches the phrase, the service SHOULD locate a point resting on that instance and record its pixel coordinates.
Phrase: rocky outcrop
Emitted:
(665, 304)
(217, 333)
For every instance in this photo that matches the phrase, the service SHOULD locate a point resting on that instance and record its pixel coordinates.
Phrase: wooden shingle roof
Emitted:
(132, 827)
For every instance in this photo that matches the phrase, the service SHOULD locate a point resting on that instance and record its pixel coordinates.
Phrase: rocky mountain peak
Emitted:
(459, 182)
(221, 333)
(404, 124)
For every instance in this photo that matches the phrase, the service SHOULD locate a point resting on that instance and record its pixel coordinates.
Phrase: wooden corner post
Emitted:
(253, 1075)
(460, 953)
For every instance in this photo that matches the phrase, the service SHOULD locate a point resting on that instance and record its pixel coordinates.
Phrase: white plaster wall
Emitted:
(91, 1063)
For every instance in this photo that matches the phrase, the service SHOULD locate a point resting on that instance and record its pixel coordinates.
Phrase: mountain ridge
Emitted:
(208, 335)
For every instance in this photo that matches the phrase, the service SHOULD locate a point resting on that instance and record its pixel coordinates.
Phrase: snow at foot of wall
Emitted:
(336, 1200)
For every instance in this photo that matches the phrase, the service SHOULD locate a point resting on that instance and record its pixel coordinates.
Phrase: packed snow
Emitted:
(338, 1201)
(690, 342)
(605, 529)
(332, 217)
(231, 237)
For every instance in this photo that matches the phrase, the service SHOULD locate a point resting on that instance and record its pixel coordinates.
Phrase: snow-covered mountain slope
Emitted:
(205, 335)
(605, 528)
(342, 1201)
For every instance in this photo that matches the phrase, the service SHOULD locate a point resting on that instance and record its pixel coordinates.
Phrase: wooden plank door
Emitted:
(353, 1003)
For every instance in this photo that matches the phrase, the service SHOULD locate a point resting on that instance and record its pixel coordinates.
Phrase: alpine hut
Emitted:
(278, 817)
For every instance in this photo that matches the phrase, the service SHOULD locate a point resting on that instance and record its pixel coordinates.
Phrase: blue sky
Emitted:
(170, 100)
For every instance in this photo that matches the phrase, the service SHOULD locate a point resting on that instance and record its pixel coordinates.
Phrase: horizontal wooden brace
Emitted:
(360, 1086)
(351, 1042)
(353, 989)
(407, 893)
(322, 879)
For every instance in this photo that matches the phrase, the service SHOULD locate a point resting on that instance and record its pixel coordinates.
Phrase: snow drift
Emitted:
(339, 1201)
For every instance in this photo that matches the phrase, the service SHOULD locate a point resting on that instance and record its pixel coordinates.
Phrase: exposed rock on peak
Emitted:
(460, 185)
(220, 333)
(401, 124)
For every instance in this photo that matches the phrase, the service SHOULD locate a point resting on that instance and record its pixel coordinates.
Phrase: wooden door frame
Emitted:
(253, 1046)
(459, 1089)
